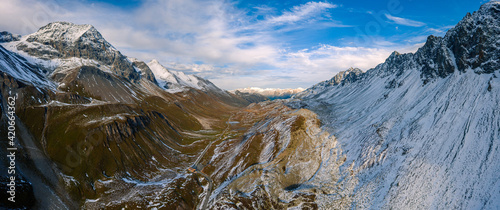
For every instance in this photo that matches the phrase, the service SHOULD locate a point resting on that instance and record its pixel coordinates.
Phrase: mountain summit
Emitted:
(177, 81)
(471, 44)
(63, 41)
(69, 33)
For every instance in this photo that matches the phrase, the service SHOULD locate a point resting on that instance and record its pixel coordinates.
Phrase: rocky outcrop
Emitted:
(474, 41)
(471, 44)
(344, 77)
(145, 70)
(8, 37)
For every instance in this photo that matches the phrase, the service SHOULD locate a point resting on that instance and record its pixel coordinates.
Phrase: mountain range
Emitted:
(97, 129)
(271, 93)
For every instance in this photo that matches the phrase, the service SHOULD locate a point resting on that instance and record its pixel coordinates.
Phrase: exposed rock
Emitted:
(145, 70)
(23, 193)
(8, 37)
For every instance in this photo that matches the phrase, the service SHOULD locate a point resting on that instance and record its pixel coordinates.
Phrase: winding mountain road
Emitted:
(196, 168)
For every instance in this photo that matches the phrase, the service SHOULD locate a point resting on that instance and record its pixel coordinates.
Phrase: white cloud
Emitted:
(325, 60)
(404, 21)
(194, 68)
(19, 18)
(301, 12)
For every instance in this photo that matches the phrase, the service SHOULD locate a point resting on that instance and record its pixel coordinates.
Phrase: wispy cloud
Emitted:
(301, 12)
(404, 21)
(439, 31)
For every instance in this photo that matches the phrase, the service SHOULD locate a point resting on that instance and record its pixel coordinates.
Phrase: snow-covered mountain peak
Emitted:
(347, 75)
(66, 32)
(176, 81)
(473, 42)
(354, 69)
(62, 46)
(155, 62)
(472, 45)
(490, 4)
(393, 54)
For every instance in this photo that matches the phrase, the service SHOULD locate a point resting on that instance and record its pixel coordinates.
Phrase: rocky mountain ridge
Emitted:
(471, 45)
(421, 130)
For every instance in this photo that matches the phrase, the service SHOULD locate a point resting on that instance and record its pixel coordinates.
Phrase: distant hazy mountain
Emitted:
(271, 93)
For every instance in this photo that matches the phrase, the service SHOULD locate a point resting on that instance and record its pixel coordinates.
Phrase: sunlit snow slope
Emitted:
(423, 129)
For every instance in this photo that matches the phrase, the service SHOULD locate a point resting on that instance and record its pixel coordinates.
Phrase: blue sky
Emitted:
(236, 44)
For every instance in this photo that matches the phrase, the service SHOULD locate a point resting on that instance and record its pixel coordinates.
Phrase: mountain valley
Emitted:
(99, 130)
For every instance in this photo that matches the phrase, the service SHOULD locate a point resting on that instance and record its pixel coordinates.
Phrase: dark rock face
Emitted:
(435, 59)
(8, 37)
(471, 44)
(146, 71)
(24, 197)
(474, 40)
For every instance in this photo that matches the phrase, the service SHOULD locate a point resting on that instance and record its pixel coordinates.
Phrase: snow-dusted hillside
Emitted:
(21, 69)
(423, 129)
